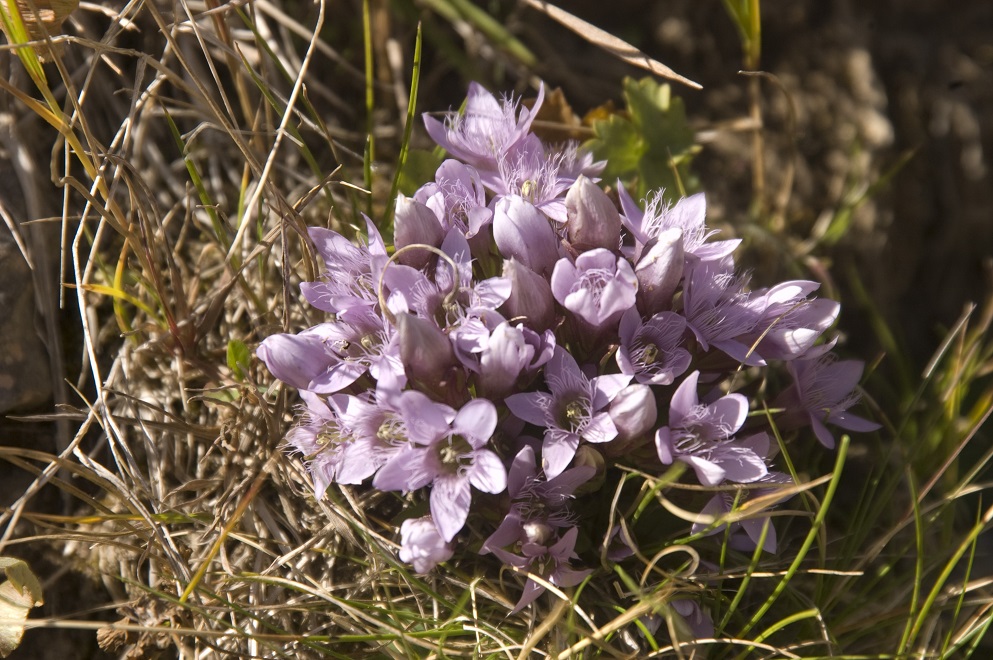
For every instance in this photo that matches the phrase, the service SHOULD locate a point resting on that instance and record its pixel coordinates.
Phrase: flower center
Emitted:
(528, 189)
(391, 431)
(650, 354)
(454, 454)
(574, 413)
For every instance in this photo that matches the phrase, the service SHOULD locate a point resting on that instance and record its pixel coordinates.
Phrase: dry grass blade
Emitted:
(608, 42)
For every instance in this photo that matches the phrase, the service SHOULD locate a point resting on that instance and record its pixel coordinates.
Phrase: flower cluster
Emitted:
(526, 333)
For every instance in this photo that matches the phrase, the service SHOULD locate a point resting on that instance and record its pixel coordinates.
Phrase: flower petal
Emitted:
(450, 499)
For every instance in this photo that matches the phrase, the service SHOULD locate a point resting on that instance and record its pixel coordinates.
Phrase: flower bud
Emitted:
(530, 297)
(415, 223)
(521, 231)
(425, 350)
(659, 271)
(502, 361)
(633, 412)
(593, 220)
(421, 545)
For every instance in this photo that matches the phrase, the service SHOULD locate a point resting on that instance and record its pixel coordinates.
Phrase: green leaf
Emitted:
(18, 595)
(652, 147)
(239, 357)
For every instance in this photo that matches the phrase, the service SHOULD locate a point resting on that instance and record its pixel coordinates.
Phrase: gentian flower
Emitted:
(457, 199)
(652, 351)
(486, 130)
(549, 560)
(744, 534)
(574, 410)
(598, 288)
(791, 323)
(633, 412)
(538, 506)
(530, 171)
(593, 220)
(719, 311)
(302, 360)
(421, 544)
(451, 455)
(700, 436)
(522, 232)
(415, 223)
(687, 215)
(659, 271)
(351, 272)
(823, 390)
(530, 297)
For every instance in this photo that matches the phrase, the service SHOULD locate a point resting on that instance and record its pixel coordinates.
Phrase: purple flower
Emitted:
(319, 437)
(415, 223)
(530, 171)
(548, 560)
(791, 323)
(509, 352)
(522, 232)
(301, 360)
(450, 456)
(457, 199)
(700, 436)
(426, 352)
(593, 220)
(422, 545)
(744, 534)
(485, 131)
(539, 506)
(719, 311)
(633, 412)
(659, 271)
(530, 297)
(823, 391)
(348, 438)
(574, 410)
(687, 215)
(598, 288)
(351, 273)
(652, 351)
(698, 620)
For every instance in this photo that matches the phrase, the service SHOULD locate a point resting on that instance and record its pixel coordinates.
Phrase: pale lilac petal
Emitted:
(295, 359)
(450, 500)
(822, 432)
(601, 428)
(663, 443)
(476, 421)
(708, 473)
(741, 465)
(729, 413)
(753, 527)
(522, 470)
(569, 577)
(851, 422)
(684, 399)
(532, 407)
(487, 472)
(557, 451)
(531, 591)
(606, 387)
(521, 231)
